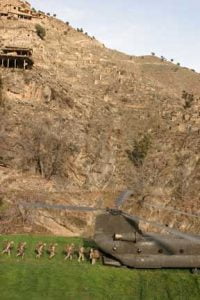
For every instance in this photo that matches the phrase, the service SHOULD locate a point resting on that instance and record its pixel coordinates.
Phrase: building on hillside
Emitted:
(18, 9)
(16, 57)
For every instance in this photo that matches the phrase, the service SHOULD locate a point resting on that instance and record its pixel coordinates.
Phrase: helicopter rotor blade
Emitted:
(61, 207)
(173, 210)
(167, 208)
(168, 229)
(122, 197)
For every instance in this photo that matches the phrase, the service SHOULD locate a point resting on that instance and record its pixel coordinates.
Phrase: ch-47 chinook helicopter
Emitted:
(119, 237)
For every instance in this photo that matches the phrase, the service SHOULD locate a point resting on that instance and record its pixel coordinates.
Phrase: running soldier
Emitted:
(39, 249)
(9, 245)
(52, 250)
(21, 249)
(69, 250)
(81, 254)
(94, 255)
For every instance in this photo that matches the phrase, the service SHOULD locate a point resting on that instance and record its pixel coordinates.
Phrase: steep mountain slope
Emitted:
(87, 122)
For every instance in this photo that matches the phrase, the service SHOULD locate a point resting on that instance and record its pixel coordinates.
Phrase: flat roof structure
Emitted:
(18, 9)
(17, 50)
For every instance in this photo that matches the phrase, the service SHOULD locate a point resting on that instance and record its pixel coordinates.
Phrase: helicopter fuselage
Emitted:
(123, 242)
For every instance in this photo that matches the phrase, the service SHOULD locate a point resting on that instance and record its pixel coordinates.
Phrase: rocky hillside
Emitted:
(88, 122)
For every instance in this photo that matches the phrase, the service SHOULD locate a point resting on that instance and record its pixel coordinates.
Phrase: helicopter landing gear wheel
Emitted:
(111, 262)
(195, 271)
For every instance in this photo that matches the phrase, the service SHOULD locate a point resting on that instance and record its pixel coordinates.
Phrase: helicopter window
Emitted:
(139, 251)
(181, 251)
(160, 251)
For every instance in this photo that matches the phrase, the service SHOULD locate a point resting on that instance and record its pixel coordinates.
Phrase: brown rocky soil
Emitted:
(88, 122)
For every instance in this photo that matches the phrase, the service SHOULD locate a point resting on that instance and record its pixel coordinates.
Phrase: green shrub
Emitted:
(80, 29)
(140, 150)
(189, 98)
(41, 32)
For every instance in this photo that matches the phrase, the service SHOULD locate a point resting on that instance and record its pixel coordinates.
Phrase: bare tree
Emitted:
(44, 147)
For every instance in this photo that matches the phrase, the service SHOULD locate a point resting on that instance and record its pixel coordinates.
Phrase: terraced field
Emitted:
(58, 279)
